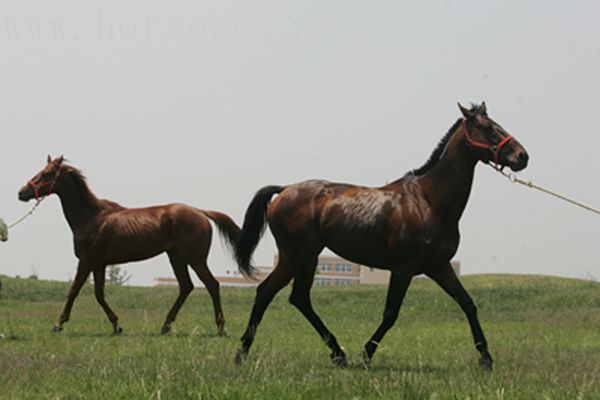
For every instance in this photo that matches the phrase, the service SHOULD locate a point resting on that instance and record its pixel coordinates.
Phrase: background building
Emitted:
(331, 271)
(335, 271)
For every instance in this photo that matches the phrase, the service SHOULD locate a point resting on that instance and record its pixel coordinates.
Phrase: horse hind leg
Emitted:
(265, 292)
(395, 295)
(300, 298)
(99, 280)
(185, 288)
(212, 286)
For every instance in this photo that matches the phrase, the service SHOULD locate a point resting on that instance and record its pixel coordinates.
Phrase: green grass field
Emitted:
(544, 334)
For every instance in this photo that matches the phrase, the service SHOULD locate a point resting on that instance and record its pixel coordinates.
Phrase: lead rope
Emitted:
(24, 217)
(36, 187)
(4, 228)
(514, 179)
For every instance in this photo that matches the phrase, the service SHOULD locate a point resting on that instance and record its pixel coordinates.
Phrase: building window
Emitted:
(323, 281)
(342, 282)
(324, 267)
(343, 267)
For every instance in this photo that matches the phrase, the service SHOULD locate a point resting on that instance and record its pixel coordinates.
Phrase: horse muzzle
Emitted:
(24, 195)
(519, 161)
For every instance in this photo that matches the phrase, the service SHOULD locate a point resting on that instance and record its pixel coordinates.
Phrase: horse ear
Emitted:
(465, 112)
(483, 108)
(49, 159)
(60, 160)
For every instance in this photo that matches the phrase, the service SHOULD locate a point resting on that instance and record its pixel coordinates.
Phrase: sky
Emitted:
(206, 102)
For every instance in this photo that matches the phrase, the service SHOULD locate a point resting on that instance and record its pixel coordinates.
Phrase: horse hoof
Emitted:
(57, 329)
(339, 359)
(240, 357)
(486, 363)
(222, 334)
(165, 330)
(118, 330)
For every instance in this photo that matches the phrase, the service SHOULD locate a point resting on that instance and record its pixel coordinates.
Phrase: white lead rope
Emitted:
(514, 179)
(4, 227)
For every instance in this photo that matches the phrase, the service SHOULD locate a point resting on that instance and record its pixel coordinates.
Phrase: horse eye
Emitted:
(487, 129)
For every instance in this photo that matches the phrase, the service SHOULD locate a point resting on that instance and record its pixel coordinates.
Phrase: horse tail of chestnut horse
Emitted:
(228, 229)
(255, 222)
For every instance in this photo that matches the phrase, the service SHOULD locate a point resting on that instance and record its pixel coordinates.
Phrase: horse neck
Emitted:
(79, 204)
(447, 185)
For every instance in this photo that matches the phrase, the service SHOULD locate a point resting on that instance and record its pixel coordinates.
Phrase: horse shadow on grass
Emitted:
(130, 334)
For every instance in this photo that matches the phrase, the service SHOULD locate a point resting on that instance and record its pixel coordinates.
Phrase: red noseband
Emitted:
(494, 148)
(37, 186)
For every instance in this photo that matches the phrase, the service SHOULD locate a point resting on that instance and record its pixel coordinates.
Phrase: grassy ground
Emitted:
(544, 334)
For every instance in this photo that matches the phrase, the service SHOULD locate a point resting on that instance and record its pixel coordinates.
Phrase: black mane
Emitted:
(437, 153)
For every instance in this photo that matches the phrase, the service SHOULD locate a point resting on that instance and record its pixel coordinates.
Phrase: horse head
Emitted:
(489, 142)
(44, 182)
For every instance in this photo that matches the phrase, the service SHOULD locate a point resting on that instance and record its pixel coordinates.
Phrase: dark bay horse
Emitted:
(409, 227)
(106, 233)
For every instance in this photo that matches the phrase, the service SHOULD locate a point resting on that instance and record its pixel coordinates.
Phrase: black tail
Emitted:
(254, 226)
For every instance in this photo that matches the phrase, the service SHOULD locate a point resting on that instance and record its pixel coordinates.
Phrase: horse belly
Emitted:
(360, 247)
(135, 249)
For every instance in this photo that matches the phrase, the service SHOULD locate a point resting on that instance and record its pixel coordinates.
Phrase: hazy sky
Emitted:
(206, 102)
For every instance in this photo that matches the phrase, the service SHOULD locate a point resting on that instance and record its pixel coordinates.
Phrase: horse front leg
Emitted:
(185, 288)
(83, 271)
(446, 278)
(397, 288)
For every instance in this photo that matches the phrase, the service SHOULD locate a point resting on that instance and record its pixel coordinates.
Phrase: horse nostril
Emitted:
(523, 157)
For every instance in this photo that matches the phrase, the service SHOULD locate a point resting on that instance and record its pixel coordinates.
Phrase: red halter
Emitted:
(494, 148)
(37, 186)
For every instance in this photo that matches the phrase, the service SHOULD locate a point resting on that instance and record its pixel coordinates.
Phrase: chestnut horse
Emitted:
(409, 227)
(106, 233)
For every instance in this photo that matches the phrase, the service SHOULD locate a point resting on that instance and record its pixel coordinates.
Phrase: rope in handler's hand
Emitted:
(3, 230)
(514, 179)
